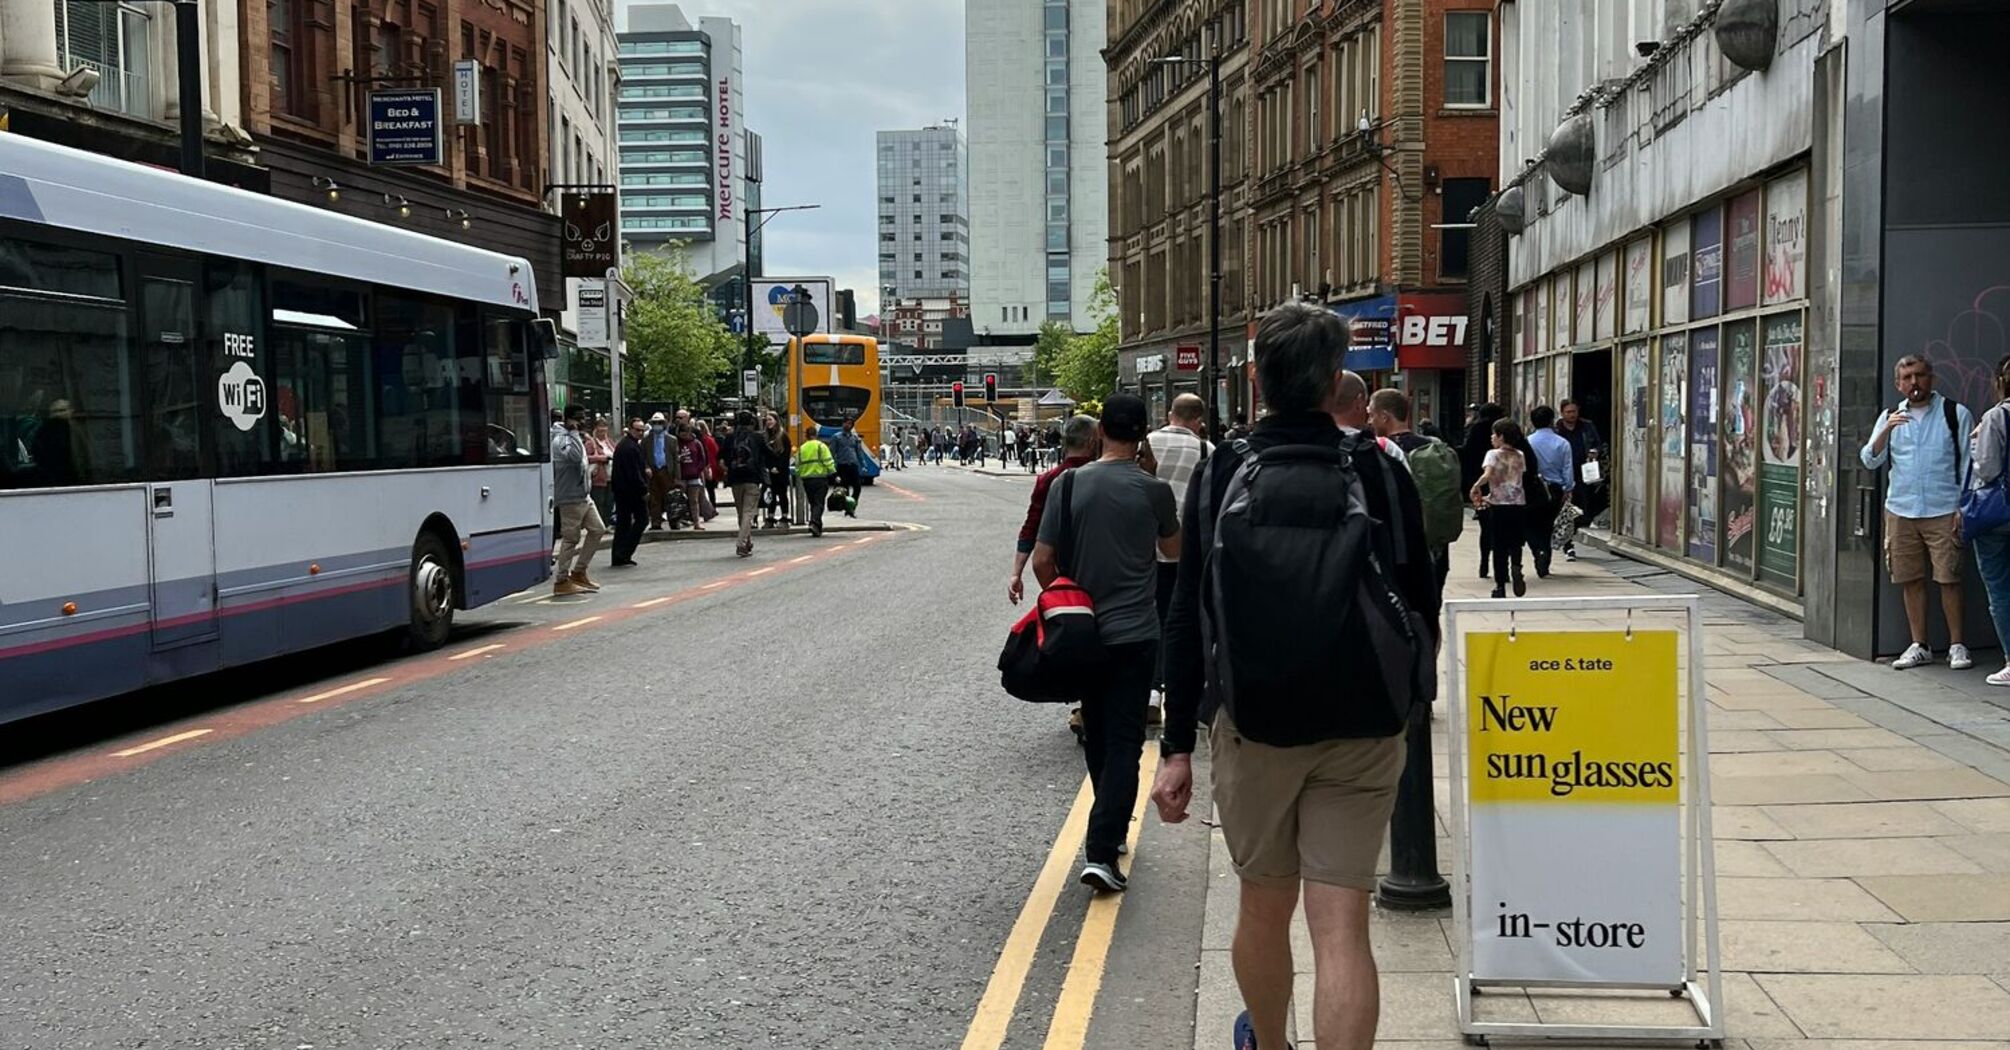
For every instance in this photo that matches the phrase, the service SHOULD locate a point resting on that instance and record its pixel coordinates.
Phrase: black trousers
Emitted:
(1113, 738)
(816, 490)
(849, 479)
(1537, 522)
(631, 516)
(1486, 542)
(1168, 582)
(778, 494)
(1507, 524)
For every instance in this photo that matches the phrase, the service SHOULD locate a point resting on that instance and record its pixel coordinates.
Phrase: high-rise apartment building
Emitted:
(1039, 185)
(688, 164)
(924, 215)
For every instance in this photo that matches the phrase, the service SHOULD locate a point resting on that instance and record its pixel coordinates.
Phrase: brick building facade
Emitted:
(1160, 189)
(309, 67)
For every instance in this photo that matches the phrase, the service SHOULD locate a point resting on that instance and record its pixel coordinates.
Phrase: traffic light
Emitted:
(990, 387)
(956, 389)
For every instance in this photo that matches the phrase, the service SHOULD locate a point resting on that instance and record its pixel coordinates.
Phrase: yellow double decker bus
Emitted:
(832, 378)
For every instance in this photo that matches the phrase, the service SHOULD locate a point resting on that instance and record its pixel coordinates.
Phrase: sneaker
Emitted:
(1569, 554)
(2001, 677)
(564, 586)
(1103, 878)
(1245, 1033)
(1915, 655)
(1958, 658)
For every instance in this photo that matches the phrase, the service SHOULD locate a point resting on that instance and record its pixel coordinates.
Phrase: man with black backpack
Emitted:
(1102, 526)
(746, 455)
(1302, 631)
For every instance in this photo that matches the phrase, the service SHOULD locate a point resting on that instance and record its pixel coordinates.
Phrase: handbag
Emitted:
(1986, 509)
(1054, 652)
(1591, 472)
(836, 500)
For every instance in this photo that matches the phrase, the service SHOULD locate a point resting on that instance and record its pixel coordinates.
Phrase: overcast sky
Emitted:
(822, 76)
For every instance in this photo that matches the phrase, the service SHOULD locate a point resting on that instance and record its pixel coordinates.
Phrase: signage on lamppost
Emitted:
(467, 92)
(593, 314)
(405, 127)
(591, 242)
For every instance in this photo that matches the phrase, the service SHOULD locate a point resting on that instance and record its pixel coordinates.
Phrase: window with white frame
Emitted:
(1468, 59)
(111, 39)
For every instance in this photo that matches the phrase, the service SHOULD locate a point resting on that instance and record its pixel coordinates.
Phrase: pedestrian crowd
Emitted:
(665, 473)
(1028, 448)
(1209, 593)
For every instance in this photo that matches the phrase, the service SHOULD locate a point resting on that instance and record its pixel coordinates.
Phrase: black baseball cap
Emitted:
(1125, 417)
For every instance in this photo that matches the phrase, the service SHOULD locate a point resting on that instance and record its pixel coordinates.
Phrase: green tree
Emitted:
(1087, 368)
(674, 333)
(1047, 350)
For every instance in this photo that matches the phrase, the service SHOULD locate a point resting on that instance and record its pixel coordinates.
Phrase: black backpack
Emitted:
(1307, 637)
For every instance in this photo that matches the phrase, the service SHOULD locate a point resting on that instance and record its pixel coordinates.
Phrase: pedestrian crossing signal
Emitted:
(956, 388)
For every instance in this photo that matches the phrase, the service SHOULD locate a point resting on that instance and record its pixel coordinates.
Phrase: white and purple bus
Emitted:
(233, 427)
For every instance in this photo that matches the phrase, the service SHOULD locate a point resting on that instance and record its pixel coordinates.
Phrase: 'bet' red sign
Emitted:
(1186, 358)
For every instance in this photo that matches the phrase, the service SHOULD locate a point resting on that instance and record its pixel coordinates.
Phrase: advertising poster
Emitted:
(1738, 445)
(1580, 310)
(1675, 272)
(1560, 311)
(771, 299)
(1573, 751)
(1703, 424)
(1786, 248)
(1741, 270)
(1518, 326)
(1706, 265)
(1540, 343)
(1780, 443)
(1639, 285)
(1605, 303)
(1636, 417)
(1674, 450)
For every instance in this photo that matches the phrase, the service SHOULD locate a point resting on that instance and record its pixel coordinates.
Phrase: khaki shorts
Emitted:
(1316, 813)
(1911, 543)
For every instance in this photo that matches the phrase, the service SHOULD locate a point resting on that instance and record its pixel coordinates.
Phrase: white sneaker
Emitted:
(2001, 677)
(1958, 658)
(1916, 655)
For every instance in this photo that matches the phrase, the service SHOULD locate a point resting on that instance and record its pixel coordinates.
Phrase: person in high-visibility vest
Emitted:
(815, 465)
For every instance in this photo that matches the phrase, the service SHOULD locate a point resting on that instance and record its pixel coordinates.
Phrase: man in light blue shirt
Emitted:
(1553, 460)
(1925, 440)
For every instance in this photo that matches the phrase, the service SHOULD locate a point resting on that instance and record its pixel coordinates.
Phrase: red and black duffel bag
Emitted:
(1054, 651)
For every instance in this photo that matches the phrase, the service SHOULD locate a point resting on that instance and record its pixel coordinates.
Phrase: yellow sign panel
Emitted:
(1573, 716)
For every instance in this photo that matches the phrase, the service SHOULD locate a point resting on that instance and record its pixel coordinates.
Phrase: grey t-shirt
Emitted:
(1120, 513)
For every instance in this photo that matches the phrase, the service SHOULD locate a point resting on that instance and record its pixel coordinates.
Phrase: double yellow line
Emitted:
(1069, 1027)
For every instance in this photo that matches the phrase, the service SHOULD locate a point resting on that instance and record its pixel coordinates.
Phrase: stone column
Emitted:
(28, 33)
(225, 64)
(166, 93)
(167, 63)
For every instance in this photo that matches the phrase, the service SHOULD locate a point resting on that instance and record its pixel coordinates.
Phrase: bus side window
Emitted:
(238, 359)
(513, 433)
(69, 393)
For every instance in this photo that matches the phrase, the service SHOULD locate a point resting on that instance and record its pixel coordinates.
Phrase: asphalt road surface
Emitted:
(767, 803)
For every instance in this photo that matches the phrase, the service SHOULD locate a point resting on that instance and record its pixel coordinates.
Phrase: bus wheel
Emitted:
(432, 594)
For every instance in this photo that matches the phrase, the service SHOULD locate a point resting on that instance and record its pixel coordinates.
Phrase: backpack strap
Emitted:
(1065, 553)
(1399, 541)
(1953, 413)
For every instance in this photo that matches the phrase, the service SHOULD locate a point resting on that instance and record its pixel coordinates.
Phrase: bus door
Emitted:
(181, 543)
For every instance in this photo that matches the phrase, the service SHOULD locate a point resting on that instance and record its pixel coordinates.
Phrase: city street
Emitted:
(776, 802)
(783, 803)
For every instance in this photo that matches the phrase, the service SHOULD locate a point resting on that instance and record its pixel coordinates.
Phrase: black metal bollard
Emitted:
(1413, 882)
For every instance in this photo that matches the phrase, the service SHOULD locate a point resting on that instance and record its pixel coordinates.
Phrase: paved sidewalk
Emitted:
(1862, 825)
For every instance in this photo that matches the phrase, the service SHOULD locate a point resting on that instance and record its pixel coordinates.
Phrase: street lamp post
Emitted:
(747, 267)
(1211, 370)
